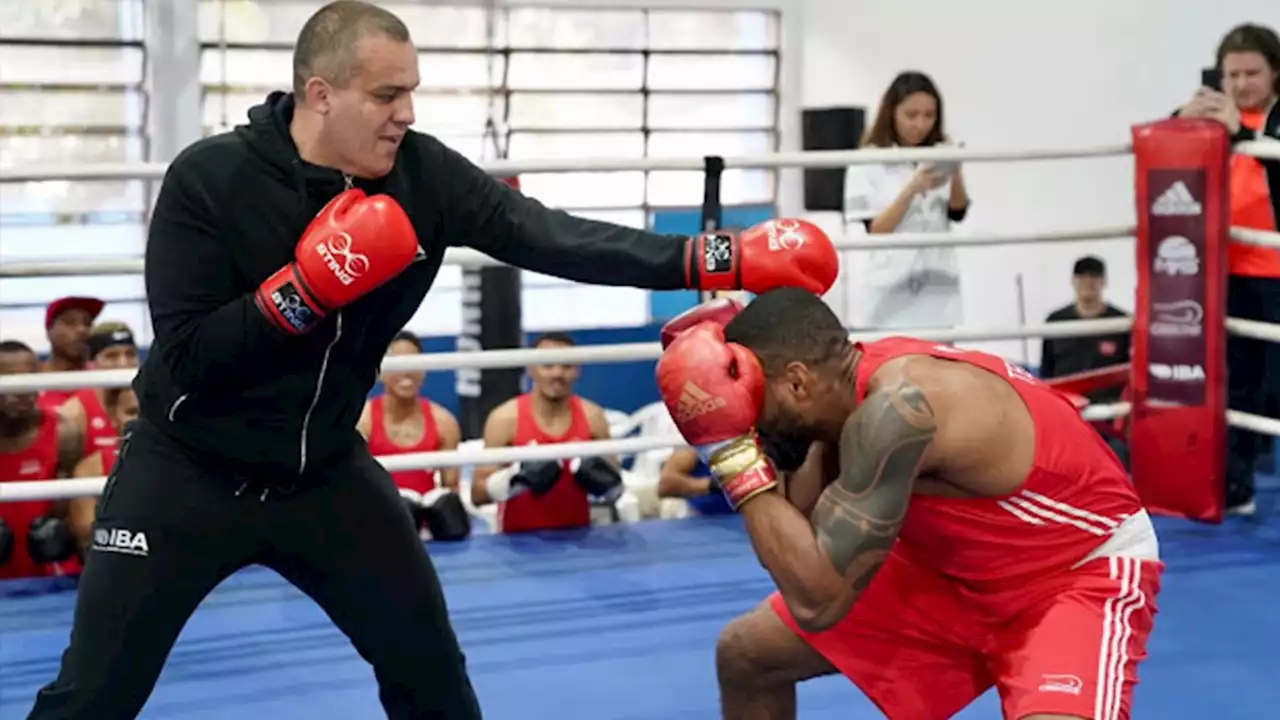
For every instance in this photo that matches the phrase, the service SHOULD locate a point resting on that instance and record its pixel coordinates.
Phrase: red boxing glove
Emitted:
(354, 245)
(786, 252)
(719, 311)
(714, 391)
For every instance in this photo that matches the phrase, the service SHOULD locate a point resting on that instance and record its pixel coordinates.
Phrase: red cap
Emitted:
(93, 306)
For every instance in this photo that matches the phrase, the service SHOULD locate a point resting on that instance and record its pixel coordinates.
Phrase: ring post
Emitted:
(1178, 426)
(491, 320)
(712, 208)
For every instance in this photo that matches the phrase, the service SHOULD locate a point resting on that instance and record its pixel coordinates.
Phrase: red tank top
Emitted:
(566, 504)
(419, 481)
(38, 461)
(1074, 497)
(54, 399)
(98, 430)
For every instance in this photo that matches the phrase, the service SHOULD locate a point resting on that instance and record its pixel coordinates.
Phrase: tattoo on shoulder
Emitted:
(70, 446)
(882, 447)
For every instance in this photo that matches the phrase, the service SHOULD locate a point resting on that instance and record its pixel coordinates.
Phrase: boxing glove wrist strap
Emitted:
(742, 470)
(286, 301)
(712, 262)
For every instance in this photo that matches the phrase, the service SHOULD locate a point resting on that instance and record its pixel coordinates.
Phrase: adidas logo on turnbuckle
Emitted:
(1176, 200)
(694, 402)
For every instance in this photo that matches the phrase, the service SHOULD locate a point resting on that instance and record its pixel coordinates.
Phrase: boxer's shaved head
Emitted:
(354, 73)
(326, 47)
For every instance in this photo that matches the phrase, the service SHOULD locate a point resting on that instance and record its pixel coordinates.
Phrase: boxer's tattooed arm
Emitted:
(857, 519)
(881, 449)
(70, 446)
(821, 563)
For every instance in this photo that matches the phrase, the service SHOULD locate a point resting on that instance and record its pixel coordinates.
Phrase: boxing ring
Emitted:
(620, 621)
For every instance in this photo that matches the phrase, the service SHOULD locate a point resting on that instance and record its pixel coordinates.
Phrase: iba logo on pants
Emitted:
(119, 540)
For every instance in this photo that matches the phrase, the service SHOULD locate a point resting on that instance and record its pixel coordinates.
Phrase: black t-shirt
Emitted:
(1065, 356)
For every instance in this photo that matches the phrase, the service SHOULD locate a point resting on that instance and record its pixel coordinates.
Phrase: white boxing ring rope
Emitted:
(468, 258)
(61, 489)
(83, 487)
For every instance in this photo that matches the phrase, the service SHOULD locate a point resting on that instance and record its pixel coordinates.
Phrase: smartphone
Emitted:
(1211, 78)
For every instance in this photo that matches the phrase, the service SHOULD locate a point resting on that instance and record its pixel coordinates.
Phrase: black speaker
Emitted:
(836, 128)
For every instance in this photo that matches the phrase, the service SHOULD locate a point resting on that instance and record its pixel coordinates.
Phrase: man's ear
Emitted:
(799, 379)
(319, 95)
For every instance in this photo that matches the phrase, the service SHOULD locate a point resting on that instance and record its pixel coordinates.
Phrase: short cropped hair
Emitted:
(557, 338)
(15, 346)
(326, 44)
(789, 325)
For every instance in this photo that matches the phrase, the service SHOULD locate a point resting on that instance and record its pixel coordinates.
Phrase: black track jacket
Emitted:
(224, 382)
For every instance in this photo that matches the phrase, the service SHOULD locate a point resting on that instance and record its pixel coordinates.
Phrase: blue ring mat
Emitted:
(620, 623)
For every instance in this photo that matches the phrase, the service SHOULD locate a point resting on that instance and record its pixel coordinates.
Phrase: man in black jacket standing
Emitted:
(1066, 356)
(282, 259)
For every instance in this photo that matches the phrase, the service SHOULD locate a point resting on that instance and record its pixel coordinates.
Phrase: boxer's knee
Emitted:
(758, 650)
(738, 659)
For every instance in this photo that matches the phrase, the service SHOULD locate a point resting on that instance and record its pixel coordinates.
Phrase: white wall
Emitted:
(1014, 75)
(1023, 75)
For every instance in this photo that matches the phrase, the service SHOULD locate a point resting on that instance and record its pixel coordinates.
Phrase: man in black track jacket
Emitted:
(282, 259)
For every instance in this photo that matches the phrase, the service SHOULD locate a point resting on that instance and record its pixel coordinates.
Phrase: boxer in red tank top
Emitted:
(978, 532)
(550, 414)
(67, 322)
(35, 444)
(402, 421)
(110, 347)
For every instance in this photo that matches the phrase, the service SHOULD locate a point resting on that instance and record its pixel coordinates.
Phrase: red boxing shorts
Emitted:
(921, 651)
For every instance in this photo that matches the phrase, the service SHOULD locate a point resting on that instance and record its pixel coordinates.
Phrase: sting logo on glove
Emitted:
(785, 235)
(353, 264)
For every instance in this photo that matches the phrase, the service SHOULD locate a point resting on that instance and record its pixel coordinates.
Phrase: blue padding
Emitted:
(665, 305)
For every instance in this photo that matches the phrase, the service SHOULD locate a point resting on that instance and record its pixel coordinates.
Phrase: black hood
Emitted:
(267, 135)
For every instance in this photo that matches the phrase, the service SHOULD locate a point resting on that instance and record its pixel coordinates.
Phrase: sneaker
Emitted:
(1240, 500)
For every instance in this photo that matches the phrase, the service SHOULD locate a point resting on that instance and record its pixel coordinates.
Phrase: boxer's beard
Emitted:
(786, 439)
(15, 422)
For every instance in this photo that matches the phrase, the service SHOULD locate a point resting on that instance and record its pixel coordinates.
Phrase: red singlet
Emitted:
(38, 461)
(419, 481)
(98, 430)
(566, 504)
(1075, 496)
(1032, 592)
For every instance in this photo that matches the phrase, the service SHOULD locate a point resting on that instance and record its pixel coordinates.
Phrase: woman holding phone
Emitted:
(913, 288)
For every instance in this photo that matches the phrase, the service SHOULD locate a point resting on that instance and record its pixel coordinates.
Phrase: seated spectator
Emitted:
(110, 347)
(1248, 58)
(548, 494)
(121, 408)
(911, 288)
(1067, 356)
(67, 322)
(686, 477)
(401, 421)
(35, 444)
